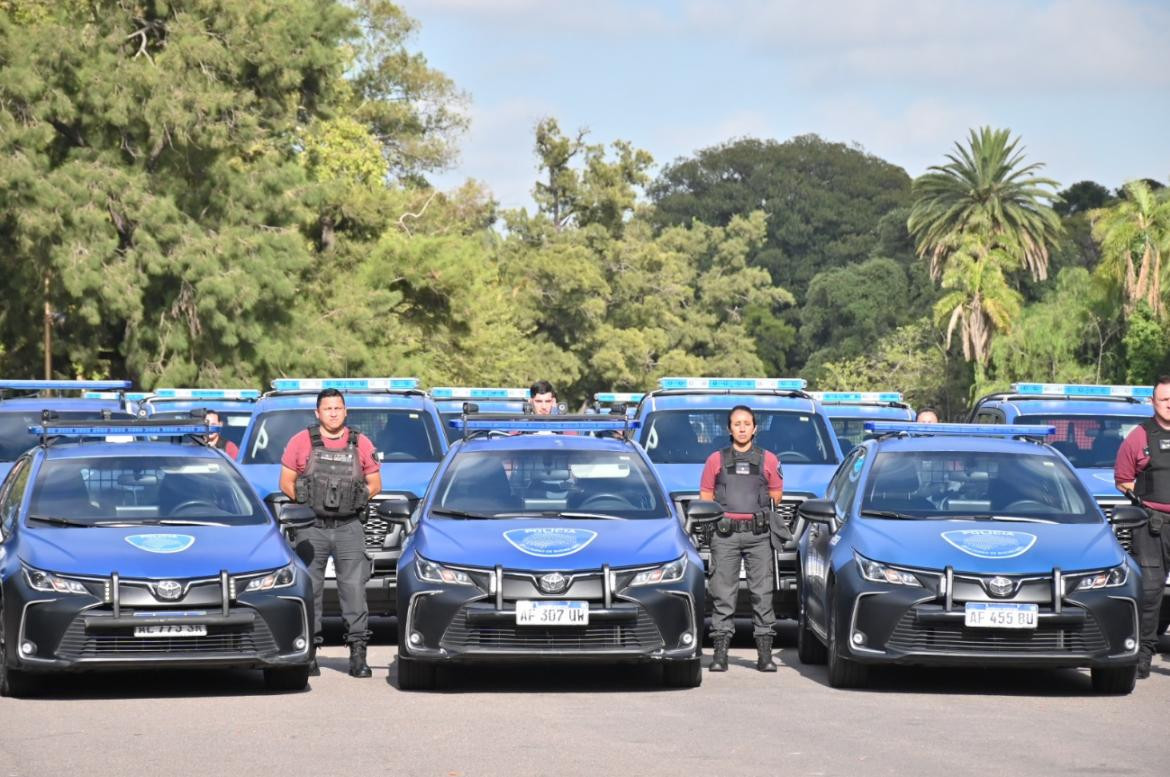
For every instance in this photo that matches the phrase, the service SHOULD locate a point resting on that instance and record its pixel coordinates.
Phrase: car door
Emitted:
(11, 496)
(820, 541)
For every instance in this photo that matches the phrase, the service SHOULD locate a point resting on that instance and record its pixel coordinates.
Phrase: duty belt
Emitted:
(741, 524)
(332, 523)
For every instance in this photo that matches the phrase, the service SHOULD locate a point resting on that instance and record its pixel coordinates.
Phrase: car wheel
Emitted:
(1114, 680)
(13, 683)
(809, 648)
(843, 673)
(293, 678)
(683, 674)
(415, 675)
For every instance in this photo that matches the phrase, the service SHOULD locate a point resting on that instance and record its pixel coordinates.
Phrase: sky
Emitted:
(1084, 83)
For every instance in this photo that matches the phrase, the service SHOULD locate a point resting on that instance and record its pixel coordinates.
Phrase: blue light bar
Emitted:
(479, 392)
(972, 430)
(511, 425)
(858, 397)
(344, 384)
(613, 397)
(1083, 390)
(135, 430)
(213, 393)
(734, 384)
(132, 396)
(65, 385)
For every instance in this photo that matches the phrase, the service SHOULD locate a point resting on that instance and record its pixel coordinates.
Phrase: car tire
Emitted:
(293, 678)
(683, 674)
(1114, 680)
(843, 673)
(415, 675)
(13, 683)
(809, 648)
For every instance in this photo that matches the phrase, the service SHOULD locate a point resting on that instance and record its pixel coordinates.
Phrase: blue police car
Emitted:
(489, 399)
(685, 420)
(404, 426)
(233, 405)
(946, 544)
(534, 545)
(152, 551)
(23, 401)
(849, 410)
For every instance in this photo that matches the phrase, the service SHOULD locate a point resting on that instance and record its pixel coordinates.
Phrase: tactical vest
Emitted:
(334, 484)
(740, 486)
(1153, 482)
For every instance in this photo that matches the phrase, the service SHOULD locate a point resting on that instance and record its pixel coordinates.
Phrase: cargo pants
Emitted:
(345, 540)
(726, 552)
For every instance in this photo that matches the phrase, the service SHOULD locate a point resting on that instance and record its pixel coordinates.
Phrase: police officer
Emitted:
(927, 416)
(744, 479)
(216, 439)
(334, 469)
(543, 398)
(1143, 468)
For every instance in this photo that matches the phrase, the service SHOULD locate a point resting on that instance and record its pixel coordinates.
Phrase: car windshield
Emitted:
(1087, 441)
(233, 424)
(143, 489)
(398, 435)
(549, 482)
(850, 431)
(690, 436)
(976, 484)
(14, 436)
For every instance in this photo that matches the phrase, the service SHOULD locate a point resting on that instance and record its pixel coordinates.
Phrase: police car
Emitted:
(849, 410)
(534, 545)
(404, 426)
(954, 544)
(685, 420)
(148, 552)
(609, 401)
(233, 405)
(22, 402)
(489, 399)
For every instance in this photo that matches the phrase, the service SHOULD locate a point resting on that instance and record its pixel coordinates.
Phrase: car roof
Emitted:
(61, 404)
(956, 443)
(301, 400)
(723, 400)
(1015, 407)
(545, 441)
(894, 412)
(186, 405)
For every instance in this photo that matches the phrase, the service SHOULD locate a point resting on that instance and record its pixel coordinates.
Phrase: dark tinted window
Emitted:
(690, 436)
(399, 435)
(1087, 441)
(14, 436)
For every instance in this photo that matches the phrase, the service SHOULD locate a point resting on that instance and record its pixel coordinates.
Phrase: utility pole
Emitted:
(48, 333)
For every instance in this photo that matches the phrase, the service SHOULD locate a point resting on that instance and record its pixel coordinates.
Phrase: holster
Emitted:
(301, 491)
(723, 527)
(361, 497)
(1156, 522)
(760, 522)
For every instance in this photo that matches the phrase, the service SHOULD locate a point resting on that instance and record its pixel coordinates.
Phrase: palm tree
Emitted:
(985, 188)
(1133, 235)
(978, 299)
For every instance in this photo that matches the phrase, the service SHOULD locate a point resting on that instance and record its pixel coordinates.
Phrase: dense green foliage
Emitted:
(223, 191)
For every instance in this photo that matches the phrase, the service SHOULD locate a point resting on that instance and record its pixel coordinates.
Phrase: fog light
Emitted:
(415, 638)
(28, 648)
(299, 643)
(1130, 644)
(688, 638)
(858, 638)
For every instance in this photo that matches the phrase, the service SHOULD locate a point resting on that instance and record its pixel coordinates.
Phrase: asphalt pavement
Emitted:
(591, 720)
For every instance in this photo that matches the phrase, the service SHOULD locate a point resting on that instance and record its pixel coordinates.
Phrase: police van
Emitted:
(401, 421)
(849, 410)
(684, 421)
(489, 399)
(233, 405)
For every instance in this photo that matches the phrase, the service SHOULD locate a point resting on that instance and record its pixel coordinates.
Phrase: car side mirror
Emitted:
(703, 511)
(396, 510)
(294, 516)
(1128, 517)
(818, 511)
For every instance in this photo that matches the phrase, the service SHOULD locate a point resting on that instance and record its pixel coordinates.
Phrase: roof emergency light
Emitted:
(344, 384)
(1083, 390)
(206, 393)
(139, 428)
(734, 384)
(614, 397)
(479, 392)
(132, 396)
(65, 385)
(856, 397)
(968, 430)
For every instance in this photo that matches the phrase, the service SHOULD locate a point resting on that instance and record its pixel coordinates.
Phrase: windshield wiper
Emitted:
(599, 516)
(458, 513)
(54, 520)
(175, 522)
(890, 514)
(1009, 518)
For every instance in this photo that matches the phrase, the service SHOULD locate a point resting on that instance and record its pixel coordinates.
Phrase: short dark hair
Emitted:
(542, 387)
(326, 394)
(739, 408)
(1162, 380)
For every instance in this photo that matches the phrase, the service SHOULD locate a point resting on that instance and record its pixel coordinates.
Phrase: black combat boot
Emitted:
(764, 661)
(357, 660)
(719, 661)
(314, 669)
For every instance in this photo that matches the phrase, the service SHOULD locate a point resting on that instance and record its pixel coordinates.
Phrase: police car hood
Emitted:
(1099, 483)
(155, 551)
(803, 479)
(548, 543)
(988, 546)
(412, 476)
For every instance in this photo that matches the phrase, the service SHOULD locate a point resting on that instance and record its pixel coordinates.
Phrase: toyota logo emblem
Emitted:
(168, 589)
(553, 583)
(1001, 586)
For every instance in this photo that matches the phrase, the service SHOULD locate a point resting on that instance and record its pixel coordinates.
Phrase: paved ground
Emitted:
(591, 721)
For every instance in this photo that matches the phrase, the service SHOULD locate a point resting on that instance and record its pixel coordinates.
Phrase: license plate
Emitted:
(172, 630)
(534, 613)
(1000, 615)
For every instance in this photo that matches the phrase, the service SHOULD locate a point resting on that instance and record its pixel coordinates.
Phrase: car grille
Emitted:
(910, 637)
(376, 527)
(642, 635)
(76, 644)
(1124, 536)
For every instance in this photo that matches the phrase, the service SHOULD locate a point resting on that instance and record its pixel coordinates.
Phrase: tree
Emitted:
(1082, 197)
(1133, 235)
(848, 309)
(986, 188)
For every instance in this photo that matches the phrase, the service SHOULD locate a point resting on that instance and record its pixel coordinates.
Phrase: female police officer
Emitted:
(744, 480)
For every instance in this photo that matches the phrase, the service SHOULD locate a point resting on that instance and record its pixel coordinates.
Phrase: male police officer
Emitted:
(216, 439)
(544, 398)
(1143, 467)
(927, 416)
(334, 469)
(744, 479)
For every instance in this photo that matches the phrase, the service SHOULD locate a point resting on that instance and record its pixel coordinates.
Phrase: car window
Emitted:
(850, 473)
(850, 431)
(1087, 441)
(690, 436)
(12, 494)
(946, 484)
(14, 435)
(398, 435)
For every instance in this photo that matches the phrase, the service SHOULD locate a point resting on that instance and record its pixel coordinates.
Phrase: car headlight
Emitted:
(881, 573)
(1106, 578)
(46, 581)
(437, 573)
(280, 578)
(666, 573)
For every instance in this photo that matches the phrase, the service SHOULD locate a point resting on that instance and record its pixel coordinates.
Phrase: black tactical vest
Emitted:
(334, 483)
(740, 486)
(1153, 482)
